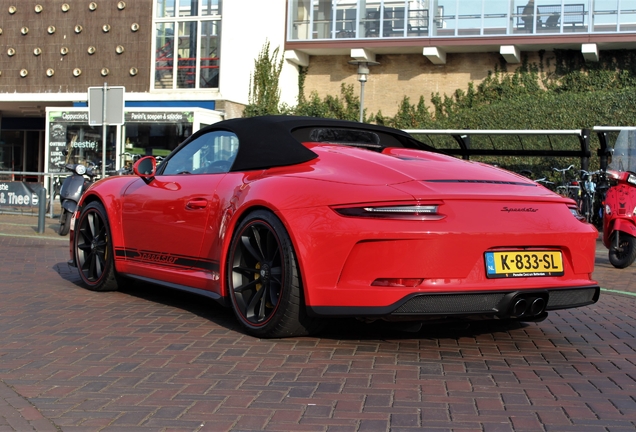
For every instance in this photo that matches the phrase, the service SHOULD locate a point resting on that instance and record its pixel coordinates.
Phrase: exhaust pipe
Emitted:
(529, 306)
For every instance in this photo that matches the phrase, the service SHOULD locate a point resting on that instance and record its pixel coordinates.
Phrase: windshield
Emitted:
(624, 157)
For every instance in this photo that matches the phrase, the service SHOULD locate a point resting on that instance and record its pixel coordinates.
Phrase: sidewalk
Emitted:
(27, 225)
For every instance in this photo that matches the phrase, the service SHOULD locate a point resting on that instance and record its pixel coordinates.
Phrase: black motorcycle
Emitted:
(72, 190)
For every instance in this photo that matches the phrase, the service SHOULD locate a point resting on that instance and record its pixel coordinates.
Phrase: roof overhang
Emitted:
(464, 45)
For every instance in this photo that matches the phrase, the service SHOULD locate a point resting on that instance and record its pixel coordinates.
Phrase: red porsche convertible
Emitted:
(289, 220)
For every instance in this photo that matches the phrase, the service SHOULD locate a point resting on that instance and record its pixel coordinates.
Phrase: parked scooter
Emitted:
(71, 191)
(619, 220)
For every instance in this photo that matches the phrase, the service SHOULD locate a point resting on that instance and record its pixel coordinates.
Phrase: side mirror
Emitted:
(145, 167)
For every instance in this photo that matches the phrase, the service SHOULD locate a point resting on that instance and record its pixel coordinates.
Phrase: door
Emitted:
(164, 220)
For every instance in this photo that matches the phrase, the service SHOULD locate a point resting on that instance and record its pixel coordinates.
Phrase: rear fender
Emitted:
(628, 226)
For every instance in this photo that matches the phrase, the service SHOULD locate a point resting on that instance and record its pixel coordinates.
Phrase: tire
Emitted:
(263, 279)
(65, 222)
(625, 254)
(94, 249)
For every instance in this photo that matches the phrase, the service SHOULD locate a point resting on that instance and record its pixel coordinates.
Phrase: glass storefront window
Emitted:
(361, 19)
(209, 54)
(346, 20)
(154, 133)
(165, 8)
(370, 19)
(11, 148)
(322, 16)
(164, 56)
(188, 8)
(605, 16)
(194, 42)
(469, 19)
(299, 19)
(496, 17)
(393, 18)
(72, 140)
(627, 15)
(186, 68)
(210, 7)
(446, 18)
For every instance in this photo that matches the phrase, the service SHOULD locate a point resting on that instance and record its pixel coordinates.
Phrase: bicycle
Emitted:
(568, 188)
(545, 182)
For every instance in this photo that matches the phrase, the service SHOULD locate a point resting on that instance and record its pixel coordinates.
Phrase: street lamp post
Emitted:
(363, 73)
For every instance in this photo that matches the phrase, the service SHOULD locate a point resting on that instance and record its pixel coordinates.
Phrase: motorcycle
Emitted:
(619, 219)
(72, 190)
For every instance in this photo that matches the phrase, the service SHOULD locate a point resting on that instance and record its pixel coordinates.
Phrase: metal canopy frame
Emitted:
(465, 150)
(603, 136)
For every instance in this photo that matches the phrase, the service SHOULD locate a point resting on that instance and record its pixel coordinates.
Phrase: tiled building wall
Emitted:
(402, 75)
(53, 29)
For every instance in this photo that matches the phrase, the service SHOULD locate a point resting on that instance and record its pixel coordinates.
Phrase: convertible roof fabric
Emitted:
(267, 141)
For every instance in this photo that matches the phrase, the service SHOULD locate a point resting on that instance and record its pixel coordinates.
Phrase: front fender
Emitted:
(110, 192)
(626, 225)
(69, 205)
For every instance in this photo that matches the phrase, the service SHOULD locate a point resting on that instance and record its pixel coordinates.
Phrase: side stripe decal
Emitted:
(166, 259)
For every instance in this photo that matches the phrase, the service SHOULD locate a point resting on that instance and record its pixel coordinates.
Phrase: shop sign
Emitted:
(159, 117)
(18, 194)
(69, 116)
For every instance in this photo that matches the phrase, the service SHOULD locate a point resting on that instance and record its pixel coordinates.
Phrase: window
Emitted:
(210, 153)
(188, 31)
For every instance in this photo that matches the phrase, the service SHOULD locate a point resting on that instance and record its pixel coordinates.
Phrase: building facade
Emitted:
(183, 64)
(420, 47)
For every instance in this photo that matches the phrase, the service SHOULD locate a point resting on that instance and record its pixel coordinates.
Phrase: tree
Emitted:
(264, 95)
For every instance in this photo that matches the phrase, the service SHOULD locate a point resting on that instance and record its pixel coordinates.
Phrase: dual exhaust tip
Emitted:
(527, 306)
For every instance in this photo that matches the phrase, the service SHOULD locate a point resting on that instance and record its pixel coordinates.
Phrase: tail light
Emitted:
(412, 212)
(575, 212)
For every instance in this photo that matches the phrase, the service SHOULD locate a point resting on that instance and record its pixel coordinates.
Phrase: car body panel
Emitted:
(482, 208)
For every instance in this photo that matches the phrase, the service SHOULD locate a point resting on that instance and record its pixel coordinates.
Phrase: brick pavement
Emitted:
(147, 358)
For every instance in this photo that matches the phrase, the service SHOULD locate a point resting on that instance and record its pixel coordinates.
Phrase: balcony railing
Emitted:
(353, 19)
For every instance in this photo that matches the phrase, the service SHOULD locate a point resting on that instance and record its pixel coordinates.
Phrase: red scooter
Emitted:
(619, 220)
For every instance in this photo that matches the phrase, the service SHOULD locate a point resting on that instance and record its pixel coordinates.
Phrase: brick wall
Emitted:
(397, 76)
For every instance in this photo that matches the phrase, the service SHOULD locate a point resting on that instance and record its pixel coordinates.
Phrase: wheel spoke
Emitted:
(273, 294)
(99, 265)
(245, 240)
(276, 274)
(258, 295)
(245, 271)
(90, 219)
(258, 241)
(261, 309)
(91, 268)
(248, 285)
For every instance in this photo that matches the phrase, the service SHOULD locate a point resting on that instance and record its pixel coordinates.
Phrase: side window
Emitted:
(211, 153)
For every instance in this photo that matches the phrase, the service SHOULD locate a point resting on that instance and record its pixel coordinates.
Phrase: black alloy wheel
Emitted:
(622, 251)
(94, 250)
(264, 280)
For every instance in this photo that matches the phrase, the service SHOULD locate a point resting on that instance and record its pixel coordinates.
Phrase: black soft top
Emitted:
(270, 141)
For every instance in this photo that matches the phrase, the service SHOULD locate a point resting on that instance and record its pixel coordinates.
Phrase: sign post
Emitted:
(105, 106)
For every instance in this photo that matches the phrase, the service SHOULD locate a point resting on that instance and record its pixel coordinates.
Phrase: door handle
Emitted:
(197, 204)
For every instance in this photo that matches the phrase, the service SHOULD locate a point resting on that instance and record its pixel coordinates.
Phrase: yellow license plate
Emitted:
(511, 264)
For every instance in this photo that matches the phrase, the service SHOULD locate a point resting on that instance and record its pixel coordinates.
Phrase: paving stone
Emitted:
(147, 358)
